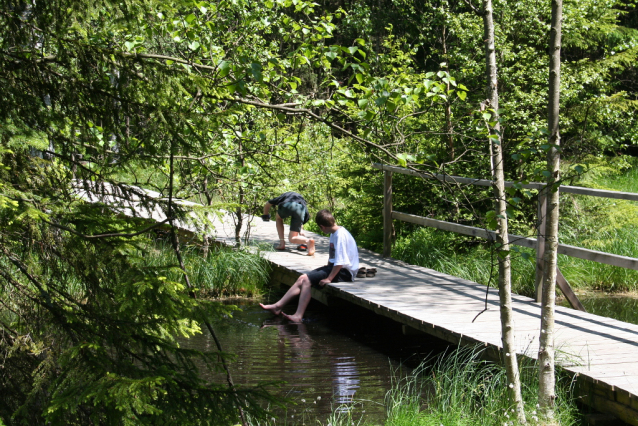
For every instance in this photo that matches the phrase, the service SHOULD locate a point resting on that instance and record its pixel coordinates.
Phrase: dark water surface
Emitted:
(335, 361)
(622, 308)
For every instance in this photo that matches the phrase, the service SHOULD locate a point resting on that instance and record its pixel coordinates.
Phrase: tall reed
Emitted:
(223, 272)
(459, 388)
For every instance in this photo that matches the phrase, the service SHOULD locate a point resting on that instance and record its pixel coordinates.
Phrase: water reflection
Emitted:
(622, 308)
(320, 369)
(344, 371)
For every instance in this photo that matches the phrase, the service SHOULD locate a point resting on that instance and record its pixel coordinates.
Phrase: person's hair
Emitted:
(325, 218)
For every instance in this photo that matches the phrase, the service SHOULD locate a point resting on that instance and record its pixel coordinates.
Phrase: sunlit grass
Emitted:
(223, 272)
(459, 389)
(444, 252)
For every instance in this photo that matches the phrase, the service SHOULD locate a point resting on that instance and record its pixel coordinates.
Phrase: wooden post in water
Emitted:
(387, 213)
(540, 243)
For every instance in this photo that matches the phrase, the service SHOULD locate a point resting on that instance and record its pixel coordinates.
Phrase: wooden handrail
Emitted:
(567, 250)
(631, 196)
(535, 243)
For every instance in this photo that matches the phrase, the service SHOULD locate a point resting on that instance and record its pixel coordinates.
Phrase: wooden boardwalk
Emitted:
(602, 353)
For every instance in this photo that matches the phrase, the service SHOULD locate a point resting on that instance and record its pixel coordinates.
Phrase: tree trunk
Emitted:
(504, 261)
(546, 391)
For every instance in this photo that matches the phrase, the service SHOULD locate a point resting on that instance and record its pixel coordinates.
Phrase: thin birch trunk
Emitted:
(546, 386)
(504, 260)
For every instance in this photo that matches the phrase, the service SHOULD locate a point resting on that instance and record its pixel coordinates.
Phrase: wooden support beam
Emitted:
(568, 292)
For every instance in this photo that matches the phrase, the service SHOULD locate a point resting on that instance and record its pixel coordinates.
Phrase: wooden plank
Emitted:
(462, 229)
(508, 184)
(600, 352)
(618, 195)
(578, 252)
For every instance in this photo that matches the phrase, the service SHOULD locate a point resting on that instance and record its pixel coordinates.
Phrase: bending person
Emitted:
(343, 264)
(292, 205)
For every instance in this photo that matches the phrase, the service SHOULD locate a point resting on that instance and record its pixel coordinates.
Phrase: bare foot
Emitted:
(272, 308)
(293, 318)
(311, 247)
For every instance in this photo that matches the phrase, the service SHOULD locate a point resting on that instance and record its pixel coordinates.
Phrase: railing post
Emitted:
(540, 242)
(387, 213)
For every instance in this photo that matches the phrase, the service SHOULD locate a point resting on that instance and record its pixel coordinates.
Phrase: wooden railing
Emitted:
(537, 243)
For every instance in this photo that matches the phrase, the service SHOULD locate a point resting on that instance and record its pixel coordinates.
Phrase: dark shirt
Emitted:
(291, 197)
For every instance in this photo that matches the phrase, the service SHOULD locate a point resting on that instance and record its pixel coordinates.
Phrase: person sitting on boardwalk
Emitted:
(293, 205)
(343, 264)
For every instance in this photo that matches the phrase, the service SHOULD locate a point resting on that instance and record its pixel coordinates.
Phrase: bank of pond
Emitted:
(353, 367)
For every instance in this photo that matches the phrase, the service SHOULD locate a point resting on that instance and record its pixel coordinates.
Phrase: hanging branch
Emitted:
(178, 254)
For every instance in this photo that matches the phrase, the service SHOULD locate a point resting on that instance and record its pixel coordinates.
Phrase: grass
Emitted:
(223, 272)
(459, 389)
(594, 223)
(456, 388)
(462, 257)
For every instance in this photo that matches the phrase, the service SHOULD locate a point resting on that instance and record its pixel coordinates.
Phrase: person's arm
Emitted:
(333, 274)
(266, 216)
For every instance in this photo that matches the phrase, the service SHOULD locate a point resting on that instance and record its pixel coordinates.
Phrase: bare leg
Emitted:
(292, 292)
(304, 298)
(296, 238)
(280, 231)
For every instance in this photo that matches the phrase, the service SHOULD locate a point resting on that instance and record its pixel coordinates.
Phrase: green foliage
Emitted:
(88, 326)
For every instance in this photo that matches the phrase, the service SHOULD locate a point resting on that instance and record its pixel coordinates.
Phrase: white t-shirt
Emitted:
(343, 251)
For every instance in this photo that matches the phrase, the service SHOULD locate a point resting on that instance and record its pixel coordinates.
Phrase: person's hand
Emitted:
(265, 217)
(324, 282)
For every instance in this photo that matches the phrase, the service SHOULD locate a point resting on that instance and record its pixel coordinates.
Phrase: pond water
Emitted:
(620, 307)
(335, 361)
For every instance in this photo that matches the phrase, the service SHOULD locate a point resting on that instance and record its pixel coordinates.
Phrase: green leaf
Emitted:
(363, 103)
(190, 18)
(461, 94)
(353, 49)
(224, 68)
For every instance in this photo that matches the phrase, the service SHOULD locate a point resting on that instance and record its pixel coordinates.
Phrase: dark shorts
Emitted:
(295, 211)
(344, 276)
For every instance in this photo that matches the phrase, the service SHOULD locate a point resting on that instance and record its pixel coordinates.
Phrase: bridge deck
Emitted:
(601, 352)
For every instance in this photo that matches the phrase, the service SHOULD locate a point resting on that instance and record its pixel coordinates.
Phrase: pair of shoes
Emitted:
(366, 272)
(302, 247)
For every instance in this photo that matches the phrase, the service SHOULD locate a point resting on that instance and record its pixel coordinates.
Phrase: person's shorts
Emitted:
(295, 211)
(322, 273)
